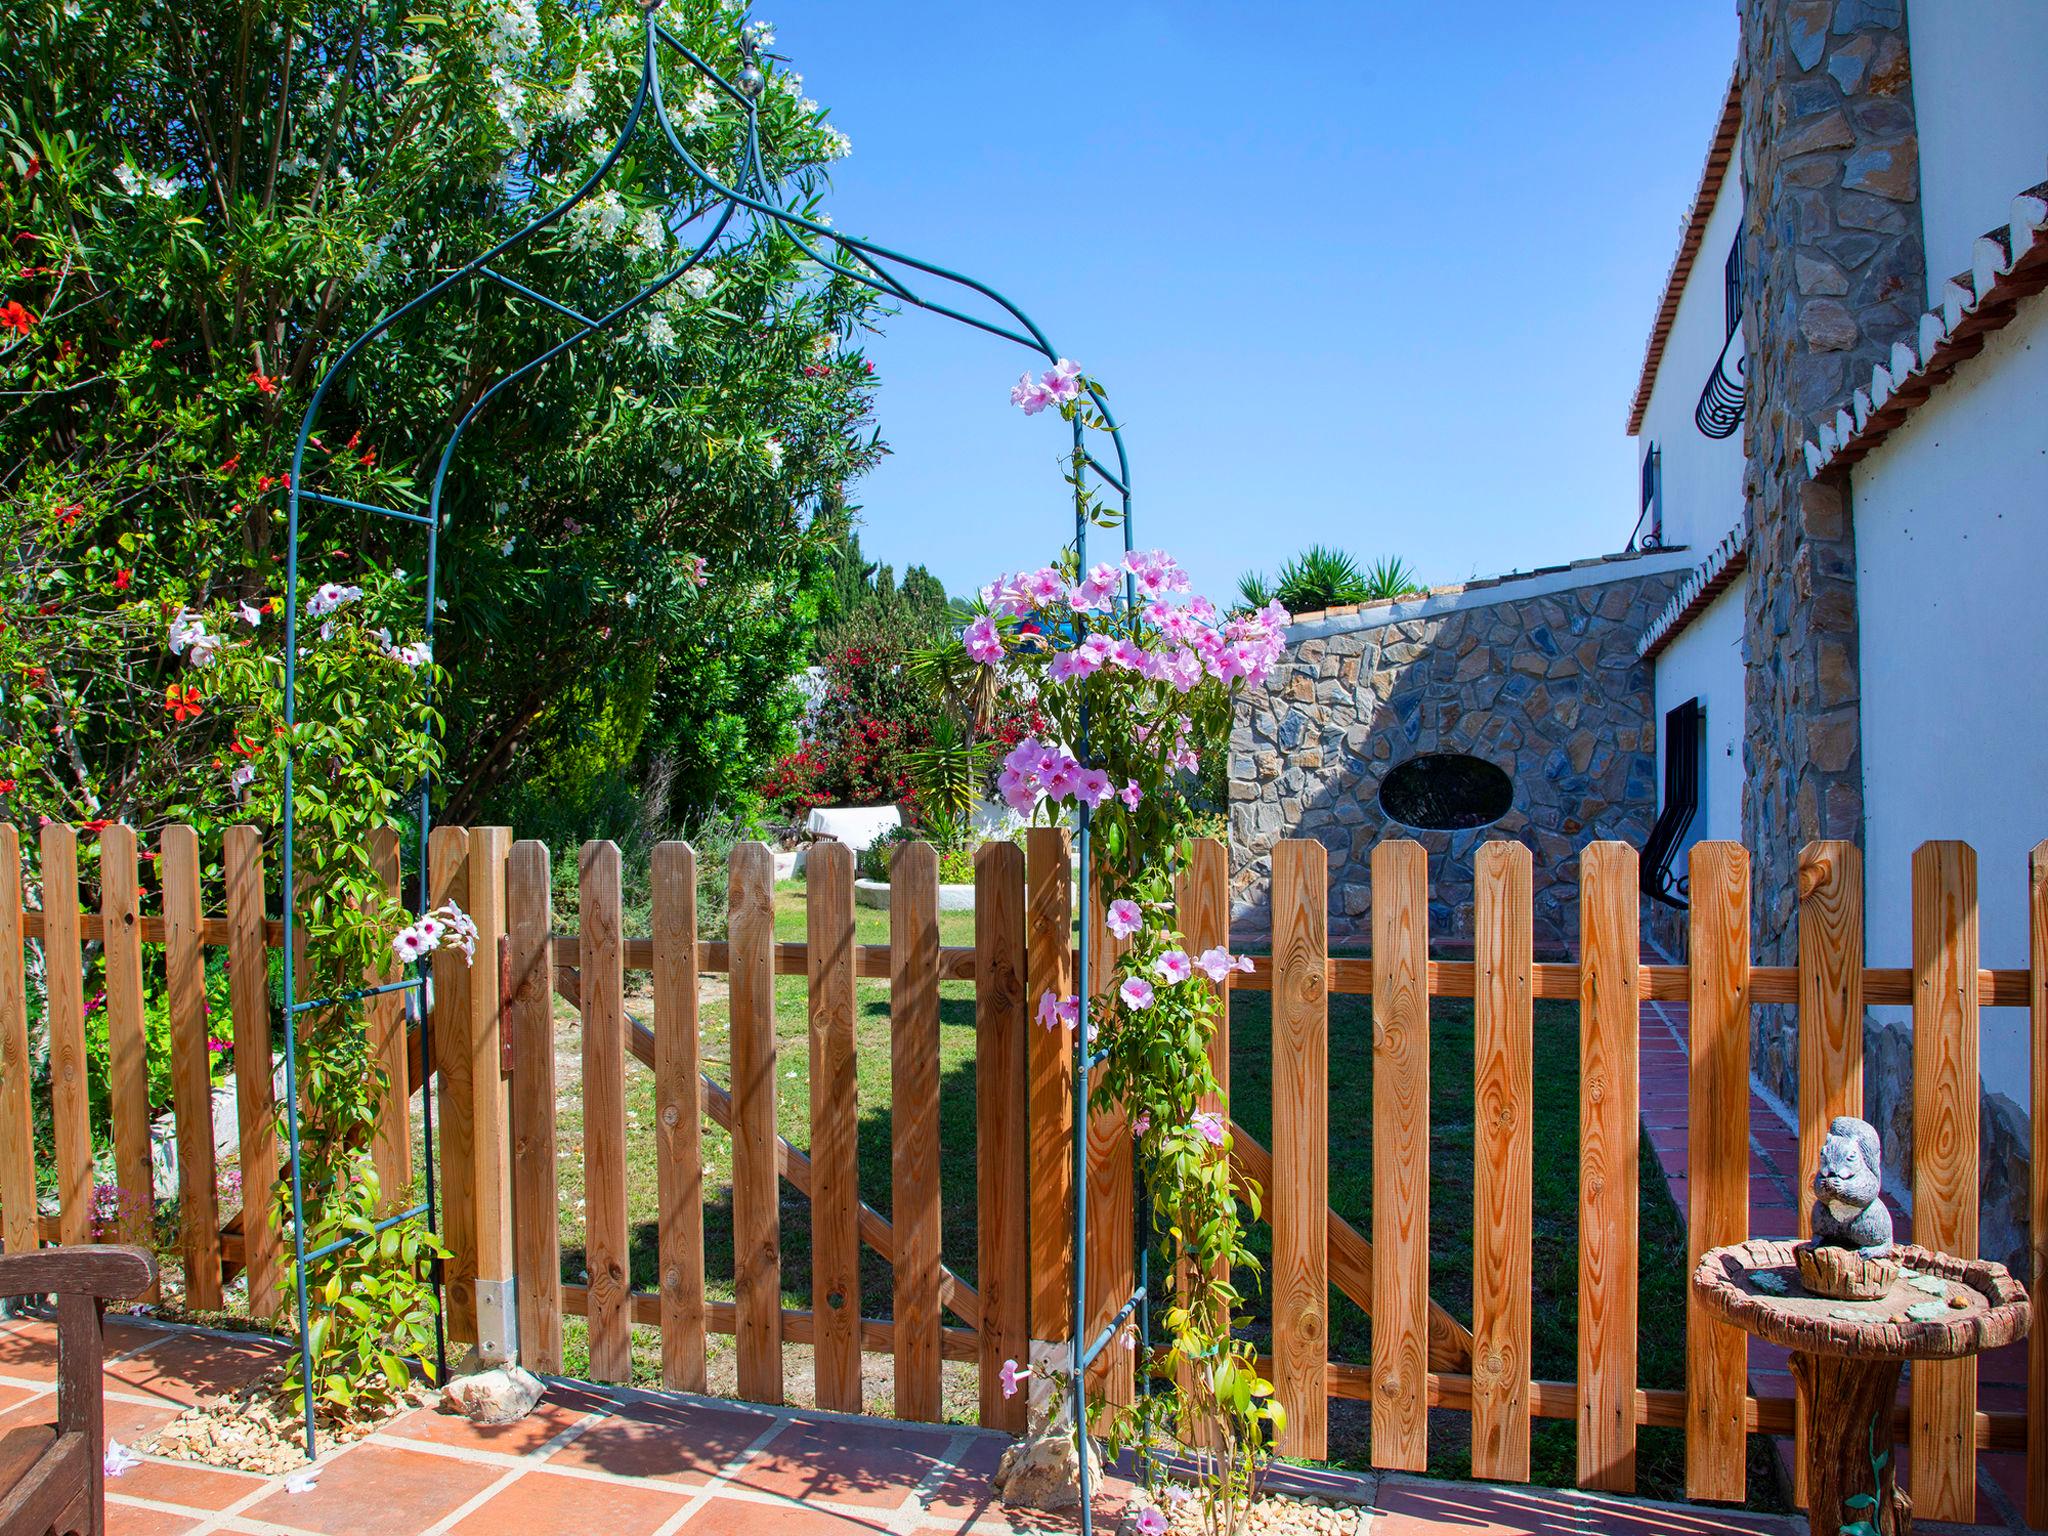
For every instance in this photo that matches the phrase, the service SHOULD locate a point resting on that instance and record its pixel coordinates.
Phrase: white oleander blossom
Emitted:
(578, 99)
(771, 451)
(597, 221)
(697, 282)
(650, 233)
(837, 144)
(660, 334)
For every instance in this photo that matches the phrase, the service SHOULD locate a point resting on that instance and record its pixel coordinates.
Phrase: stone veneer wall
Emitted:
(1546, 685)
(1830, 163)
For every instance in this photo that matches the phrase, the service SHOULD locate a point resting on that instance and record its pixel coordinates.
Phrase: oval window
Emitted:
(1446, 792)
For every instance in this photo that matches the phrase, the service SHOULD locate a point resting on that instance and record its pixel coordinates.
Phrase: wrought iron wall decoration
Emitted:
(723, 209)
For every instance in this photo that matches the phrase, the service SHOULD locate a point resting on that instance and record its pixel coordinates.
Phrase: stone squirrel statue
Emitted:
(1848, 1212)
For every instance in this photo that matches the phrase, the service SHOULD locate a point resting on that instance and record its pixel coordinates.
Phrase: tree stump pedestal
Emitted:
(1847, 1355)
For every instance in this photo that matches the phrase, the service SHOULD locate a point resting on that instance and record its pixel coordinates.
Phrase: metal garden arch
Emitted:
(750, 201)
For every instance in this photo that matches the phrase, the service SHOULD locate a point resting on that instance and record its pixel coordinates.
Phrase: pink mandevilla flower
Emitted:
(1131, 794)
(1055, 1010)
(1209, 1126)
(1091, 787)
(1136, 992)
(983, 641)
(1143, 1123)
(1217, 963)
(1011, 1374)
(1124, 918)
(1062, 381)
(1029, 396)
(1097, 590)
(1173, 966)
(1150, 1522)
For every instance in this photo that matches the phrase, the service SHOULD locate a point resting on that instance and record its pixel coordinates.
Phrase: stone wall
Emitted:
(1830, 167)
(1544, 684)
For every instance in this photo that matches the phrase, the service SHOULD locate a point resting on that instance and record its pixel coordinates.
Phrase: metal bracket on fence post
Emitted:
(497, 1322)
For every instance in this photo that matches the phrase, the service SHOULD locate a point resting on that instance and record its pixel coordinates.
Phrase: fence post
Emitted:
(1112, 1261)
(64, 978)
(1400, 1155)
(127, 1047)
(602, 992)
(191, 1075)
(1830, 1031)
(1049, 967)
(536, 1195)
(756, 1223)
(1003, 1272)
(255, 1091)
(1717, 1159)
(1503, 1161)
(22, 1226)
(914, 1124)
(1300, 1196)
(497, 1319)
(448, 880)
(835, 1127)
(390, 1048)
(1610, 963)
(1943, 1436)
(679, 1232)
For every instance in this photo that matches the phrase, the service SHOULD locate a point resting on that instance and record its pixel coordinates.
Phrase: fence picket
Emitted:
(914, 1124)
(602, 979)
(536, 1197)
(1830, 1028)
(1050, 967)
(483, 1051)
(835, 1122)
(191, 1078)
(1299, 1198)
(448, 880)
(1112, 1272)
(1717, 1119)
(1002, 1180)
(390, 1049)
(1609, 1144)
(1942, 1440)
(1202, 901)
(679, 1232)
(2037, 1338)
(127, 1045)
(64, 981)
(1502, 1165)
(757, 1232)
(20, 1225)
(255, 1091)
(1400, 1155)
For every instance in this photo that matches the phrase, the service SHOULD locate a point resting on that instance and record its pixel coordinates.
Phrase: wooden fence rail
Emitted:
(496, 1063)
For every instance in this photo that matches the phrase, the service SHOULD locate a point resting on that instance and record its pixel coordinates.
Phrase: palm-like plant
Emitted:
(1321, 577)
(1387, 577)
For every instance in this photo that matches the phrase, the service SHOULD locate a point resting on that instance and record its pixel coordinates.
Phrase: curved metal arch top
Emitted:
(748, 200)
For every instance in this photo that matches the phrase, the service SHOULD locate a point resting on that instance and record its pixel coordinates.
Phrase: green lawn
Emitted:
(1661, 1294)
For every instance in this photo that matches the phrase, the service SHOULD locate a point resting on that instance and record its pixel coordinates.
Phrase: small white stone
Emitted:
(502, 1396)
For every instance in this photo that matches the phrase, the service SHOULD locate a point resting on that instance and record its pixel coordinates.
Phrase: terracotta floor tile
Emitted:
(841, 1463)
(745, 1517)
(561, 1408)
(676, 1442)
(377, 1490)
(127, 1520)
(195, 1367)
(538, 1503)
(186, 1483)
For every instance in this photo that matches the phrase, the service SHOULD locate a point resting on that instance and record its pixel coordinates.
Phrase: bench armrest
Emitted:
(111, 1272)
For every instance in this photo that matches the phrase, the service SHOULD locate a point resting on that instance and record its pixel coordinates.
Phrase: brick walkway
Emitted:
(628, 1463)
(1774, 1212)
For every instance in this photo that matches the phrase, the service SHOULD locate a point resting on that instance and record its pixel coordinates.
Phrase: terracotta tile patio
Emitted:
(630, 1463)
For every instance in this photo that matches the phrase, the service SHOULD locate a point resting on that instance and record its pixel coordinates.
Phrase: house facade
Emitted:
(1861, 636)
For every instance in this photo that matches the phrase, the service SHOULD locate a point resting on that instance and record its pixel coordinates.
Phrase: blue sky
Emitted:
(1369, 273)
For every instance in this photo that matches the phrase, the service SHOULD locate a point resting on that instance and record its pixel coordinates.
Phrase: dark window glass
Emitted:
(1731, 286)
(1446, 791)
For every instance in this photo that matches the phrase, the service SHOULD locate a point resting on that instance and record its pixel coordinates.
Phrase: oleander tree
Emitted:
(201, 202)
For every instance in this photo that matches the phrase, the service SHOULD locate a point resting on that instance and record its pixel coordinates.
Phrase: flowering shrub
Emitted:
(1132, 676)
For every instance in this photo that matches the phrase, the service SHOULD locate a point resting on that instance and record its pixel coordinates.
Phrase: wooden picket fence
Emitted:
(495, 1058)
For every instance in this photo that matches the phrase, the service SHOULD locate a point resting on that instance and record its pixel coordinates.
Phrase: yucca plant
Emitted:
(1389, 576)
(1320, 577)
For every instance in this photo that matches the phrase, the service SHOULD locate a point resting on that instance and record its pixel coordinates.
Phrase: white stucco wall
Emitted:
(1705, 662)
(1951, 515)
(1981, 104)
(1702, 477)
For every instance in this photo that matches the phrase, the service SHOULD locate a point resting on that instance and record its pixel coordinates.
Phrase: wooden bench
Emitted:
(53, 1476)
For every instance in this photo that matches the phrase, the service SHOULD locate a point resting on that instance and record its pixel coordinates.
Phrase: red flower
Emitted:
(6, 786)
(263, 381)
(232, 465)
(121, 580)
(160, 343)
(95, 826)
(182, 704)
(368, 459)
(355, 439)
(35, 674)
(71, 514)
(14, 318)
